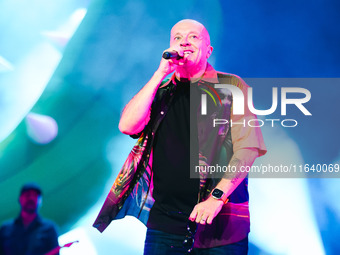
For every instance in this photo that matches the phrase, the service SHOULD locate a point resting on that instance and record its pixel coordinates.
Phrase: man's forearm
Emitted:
(241, 159)
(204, 212)
(136, 113)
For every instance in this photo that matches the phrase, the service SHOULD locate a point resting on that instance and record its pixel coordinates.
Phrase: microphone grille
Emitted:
(166, 55)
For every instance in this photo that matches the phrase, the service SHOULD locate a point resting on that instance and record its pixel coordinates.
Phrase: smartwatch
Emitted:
(219, 195)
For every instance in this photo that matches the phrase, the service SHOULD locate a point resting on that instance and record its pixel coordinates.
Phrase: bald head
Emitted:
(192, 41)
(190, 23)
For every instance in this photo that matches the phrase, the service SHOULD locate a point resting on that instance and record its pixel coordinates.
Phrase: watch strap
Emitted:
(224, 197)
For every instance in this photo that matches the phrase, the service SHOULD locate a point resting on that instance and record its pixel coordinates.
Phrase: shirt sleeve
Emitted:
(52, 237)
(245, 128)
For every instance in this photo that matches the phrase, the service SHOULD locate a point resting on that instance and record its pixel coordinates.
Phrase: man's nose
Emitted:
(185, 42)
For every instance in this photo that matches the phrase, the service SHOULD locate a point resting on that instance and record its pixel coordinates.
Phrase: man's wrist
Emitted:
(219, 195)
(160, 74)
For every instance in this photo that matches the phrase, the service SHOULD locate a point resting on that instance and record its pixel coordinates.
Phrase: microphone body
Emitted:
(171, 55)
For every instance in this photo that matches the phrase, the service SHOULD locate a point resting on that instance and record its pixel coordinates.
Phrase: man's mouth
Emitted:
(187, 52)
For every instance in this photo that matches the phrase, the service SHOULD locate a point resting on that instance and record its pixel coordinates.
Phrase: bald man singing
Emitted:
(172, 179)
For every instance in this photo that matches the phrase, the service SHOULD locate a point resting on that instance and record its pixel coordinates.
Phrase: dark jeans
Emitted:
(239, 248)
(158, 242)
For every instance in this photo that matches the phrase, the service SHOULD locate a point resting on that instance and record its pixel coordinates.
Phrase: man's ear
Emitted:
(210, 49)
(39, 201)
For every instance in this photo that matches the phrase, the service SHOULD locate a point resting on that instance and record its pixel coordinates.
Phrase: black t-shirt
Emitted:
(174, 191)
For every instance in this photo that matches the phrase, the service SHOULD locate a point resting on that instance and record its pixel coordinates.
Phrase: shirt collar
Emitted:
(18, 220)
(210, 75)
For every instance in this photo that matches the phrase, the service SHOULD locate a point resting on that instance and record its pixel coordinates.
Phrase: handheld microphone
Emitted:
(171, 55)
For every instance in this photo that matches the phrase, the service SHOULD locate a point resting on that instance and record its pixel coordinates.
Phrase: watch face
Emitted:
(217, 193)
